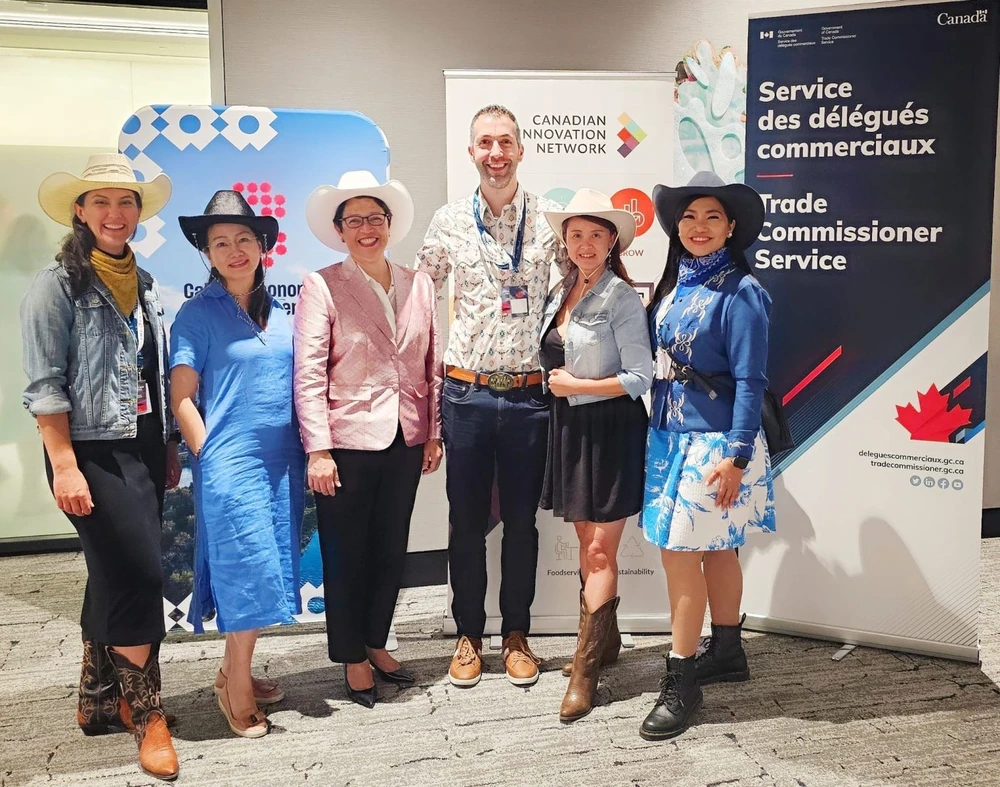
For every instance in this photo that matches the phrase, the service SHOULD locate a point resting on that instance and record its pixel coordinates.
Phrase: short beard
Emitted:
(497, 183)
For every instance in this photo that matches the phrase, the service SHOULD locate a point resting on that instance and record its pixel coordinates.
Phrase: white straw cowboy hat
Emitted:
(323, 203)
(60, 190)
(589, 202)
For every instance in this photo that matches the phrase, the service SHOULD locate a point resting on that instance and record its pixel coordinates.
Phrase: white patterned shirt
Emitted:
(482, 337)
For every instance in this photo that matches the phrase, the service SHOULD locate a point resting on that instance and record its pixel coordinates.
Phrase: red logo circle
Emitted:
(638, 203)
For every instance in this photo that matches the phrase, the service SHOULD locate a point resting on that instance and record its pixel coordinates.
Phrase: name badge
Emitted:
(144, 403)
(514, 300)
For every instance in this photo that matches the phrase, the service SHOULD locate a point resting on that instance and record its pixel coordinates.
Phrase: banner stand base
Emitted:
(568, 625)
(919, 647)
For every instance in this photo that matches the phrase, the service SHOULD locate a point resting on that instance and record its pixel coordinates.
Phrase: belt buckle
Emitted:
(501, 382)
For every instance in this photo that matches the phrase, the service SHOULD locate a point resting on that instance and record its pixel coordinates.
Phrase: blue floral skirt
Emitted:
(679, 510)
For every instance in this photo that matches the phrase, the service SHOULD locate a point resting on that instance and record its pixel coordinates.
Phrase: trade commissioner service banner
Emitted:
(612, 132)
(871, 134)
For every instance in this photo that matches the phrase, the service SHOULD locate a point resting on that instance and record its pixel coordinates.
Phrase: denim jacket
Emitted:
(80, 356)
(607, 335)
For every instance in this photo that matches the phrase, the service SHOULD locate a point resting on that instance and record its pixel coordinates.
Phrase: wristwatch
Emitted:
(740, 461)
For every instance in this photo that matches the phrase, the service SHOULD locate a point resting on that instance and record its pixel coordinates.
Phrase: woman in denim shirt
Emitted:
(595, 348)
(94, 353)
(708, 475)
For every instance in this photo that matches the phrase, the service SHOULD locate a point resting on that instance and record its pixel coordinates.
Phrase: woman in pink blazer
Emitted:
(368, 377)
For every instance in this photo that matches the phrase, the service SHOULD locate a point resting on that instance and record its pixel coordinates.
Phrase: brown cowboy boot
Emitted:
(141, 690)
(611, 647)
(98, 711)
(596, 629)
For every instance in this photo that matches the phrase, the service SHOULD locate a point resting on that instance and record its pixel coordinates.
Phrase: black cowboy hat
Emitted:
(743, 204)
(228, 207)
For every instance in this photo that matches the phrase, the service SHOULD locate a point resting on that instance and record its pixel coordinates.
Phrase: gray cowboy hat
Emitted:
(743, 204)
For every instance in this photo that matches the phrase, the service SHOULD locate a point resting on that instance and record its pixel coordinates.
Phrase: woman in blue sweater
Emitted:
(708, 473)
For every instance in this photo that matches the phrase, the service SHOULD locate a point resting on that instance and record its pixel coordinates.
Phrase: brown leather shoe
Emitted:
(521, 664)
(612, 646)
(141, 691)
(467, 664)
(596, 629)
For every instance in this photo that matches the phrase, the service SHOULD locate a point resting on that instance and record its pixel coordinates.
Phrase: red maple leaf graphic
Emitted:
(934, 421)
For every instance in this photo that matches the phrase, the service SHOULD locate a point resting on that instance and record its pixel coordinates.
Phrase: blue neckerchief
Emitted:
(695, 270)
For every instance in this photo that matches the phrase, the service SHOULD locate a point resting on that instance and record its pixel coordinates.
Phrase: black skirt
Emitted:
(123, 600)
(596, 459)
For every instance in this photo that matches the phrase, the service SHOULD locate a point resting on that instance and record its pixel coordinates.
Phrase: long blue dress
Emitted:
(249, 482)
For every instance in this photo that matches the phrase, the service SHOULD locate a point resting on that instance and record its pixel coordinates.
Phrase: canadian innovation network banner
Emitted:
(612, 132)
(871, 133)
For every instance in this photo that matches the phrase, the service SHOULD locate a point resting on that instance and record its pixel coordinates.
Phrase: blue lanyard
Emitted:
(135, 324)
(485, 237)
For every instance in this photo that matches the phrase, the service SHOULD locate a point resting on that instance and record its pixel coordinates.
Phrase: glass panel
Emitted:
(64, 95)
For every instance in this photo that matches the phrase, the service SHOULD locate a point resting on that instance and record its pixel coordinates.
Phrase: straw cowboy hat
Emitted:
(588, 202)
(324, 201)
(743, 205)
(60, 190)
(228, 207)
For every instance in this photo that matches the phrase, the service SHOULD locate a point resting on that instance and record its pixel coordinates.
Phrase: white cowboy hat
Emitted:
(589, 202)
(60, 190)
(323, 203)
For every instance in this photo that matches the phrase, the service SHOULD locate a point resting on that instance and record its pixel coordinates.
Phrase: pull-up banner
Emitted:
(871, 134)
(612, 132)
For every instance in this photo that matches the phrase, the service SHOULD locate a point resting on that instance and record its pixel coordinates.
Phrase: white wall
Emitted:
(386, 60)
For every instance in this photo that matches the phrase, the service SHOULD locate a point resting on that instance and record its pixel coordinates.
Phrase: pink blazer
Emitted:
(353, 384)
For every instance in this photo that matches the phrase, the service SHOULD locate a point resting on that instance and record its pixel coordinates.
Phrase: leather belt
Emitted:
(495, 381)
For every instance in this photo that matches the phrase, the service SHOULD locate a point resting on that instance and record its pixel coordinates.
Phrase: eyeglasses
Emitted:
(354, 222)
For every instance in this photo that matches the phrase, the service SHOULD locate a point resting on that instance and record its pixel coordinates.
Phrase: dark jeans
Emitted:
(484, 430)
(363, 531)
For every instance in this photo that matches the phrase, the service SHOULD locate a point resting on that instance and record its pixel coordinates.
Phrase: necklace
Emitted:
(243, 295)
(588, 276)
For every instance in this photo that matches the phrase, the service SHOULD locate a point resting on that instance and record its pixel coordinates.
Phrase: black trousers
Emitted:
(363, 531)
(123, 600)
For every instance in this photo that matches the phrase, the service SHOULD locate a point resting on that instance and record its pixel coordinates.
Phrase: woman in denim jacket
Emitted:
(595, 349)
(94, 353)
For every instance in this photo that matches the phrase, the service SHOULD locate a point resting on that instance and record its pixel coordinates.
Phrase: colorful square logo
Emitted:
(630, 135)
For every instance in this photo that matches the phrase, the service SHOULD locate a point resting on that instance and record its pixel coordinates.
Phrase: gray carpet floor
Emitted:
(875, 718)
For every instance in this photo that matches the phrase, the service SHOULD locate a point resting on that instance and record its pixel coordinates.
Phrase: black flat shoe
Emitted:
(400, 676)
(364, 697)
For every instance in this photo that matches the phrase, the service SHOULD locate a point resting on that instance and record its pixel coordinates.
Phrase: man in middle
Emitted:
(499, 250)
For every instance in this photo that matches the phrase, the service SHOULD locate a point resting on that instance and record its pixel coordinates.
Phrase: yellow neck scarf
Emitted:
(119, 276)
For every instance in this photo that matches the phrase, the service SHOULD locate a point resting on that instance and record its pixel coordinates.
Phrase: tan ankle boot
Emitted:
(611, 648)
(141, 691)
(594, 633)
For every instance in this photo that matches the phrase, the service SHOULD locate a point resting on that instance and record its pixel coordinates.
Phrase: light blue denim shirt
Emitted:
(80, 355)
(607, 335)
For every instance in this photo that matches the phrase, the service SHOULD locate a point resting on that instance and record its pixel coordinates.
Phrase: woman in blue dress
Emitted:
(708, 474)
(231, 361)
